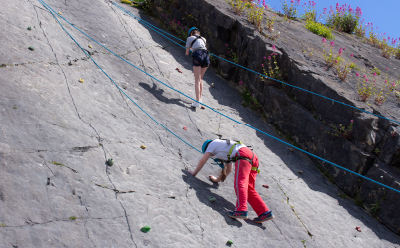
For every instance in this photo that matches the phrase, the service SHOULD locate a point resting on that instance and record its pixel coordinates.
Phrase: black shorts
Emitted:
(201, 58)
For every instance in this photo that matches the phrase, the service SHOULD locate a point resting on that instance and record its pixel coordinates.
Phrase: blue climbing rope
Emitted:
(54, 15)
(296, 87)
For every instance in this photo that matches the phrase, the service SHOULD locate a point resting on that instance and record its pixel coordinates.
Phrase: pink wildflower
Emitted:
(269, 57)
(357, 74)
(332, 43)
(265, 57)
(351, 55)
(273, 47)
(262, 65)
(374, 74)
(226, 45)
(240, 82)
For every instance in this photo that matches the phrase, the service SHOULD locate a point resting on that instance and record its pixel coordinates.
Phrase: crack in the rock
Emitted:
(115, 190)
(292, 207)
(2, 65)
(33, 223)
(62, 165)
(87, 232)
(282, 233)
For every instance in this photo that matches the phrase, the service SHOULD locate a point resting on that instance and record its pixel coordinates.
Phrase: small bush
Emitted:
(290, 11)
(237, 6)
(309, 12)
(320, 29)
(255, 16)
(344, 19)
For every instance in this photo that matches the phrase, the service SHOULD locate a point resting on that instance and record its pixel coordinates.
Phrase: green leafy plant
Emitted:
(364, 91)
(319, 29)
(375, 208)
(250, 100)
(290, 11)
(126, 2)
(342, 195)
(380, 98)
(73, 218)
(270, 23)
(344, 19)
(330, 59)
(360, 30)
(272, 70)
(177, 28)
(397, 52)
(376, 70)
(2, 224)
(237, 6)
(344, 71)
(255, 16)
(310, 14)
(56, 163)
(231, 54)
(341, 130)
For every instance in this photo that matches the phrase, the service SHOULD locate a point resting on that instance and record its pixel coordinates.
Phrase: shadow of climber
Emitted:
(203, 193)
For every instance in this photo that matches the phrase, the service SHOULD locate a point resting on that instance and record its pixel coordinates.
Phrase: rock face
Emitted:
(57, 134)
(297, 114)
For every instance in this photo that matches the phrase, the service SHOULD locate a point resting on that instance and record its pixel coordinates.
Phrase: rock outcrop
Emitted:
(298, 114)
(57, 133)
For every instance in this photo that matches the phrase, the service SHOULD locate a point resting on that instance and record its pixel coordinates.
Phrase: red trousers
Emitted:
(245, 179)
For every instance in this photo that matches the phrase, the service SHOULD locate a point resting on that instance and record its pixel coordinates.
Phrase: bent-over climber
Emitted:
(201, 60)
(246, 169)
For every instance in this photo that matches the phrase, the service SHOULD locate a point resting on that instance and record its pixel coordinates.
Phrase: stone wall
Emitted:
(298, 115)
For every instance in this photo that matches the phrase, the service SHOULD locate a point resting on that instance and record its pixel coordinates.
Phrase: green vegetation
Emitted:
(375, 208)
(73, 218)
(126, 2)
(319, 29)
(237, 6)
(56, 163)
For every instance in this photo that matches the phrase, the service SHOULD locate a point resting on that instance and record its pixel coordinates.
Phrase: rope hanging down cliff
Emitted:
(54, 15)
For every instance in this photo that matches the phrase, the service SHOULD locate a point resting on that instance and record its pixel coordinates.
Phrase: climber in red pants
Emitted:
(246, 169)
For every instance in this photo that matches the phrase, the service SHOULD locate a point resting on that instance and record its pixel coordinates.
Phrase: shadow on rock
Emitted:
(158, 93)
(203, 192)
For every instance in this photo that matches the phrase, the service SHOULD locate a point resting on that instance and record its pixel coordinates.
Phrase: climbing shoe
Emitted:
(264, 217)
(238, 214)
(195, 104)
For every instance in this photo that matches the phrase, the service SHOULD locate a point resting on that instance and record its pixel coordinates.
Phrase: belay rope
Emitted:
(54, 13)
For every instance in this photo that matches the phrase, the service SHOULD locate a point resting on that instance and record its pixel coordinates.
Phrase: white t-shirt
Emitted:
(199, 44)
(220, 148)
